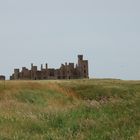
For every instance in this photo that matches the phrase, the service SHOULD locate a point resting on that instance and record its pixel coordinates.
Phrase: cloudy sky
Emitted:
(106, 32)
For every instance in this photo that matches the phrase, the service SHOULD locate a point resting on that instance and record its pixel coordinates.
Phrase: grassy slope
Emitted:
(77, 109)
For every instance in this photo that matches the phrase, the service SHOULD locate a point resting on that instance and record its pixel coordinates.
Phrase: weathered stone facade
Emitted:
(66, 71)
(2, 77)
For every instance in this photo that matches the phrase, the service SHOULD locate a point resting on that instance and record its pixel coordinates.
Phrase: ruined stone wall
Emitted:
(25, 74)
(2, 77)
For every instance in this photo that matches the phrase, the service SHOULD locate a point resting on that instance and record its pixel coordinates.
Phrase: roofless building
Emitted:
(66, 71)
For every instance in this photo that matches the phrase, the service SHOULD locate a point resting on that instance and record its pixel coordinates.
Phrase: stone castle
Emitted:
(66, 71)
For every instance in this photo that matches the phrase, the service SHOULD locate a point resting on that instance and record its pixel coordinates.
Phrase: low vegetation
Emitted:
(73, 110)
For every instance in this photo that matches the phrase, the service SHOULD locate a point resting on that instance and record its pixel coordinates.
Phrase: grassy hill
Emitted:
(70, 110)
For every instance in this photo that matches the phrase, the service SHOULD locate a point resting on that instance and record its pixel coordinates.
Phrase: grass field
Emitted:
(70, 110)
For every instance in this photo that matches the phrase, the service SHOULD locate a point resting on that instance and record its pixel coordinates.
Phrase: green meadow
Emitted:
(99, 109)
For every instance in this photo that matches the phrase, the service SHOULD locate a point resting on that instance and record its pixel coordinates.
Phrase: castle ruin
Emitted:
(2, 77)
(66, 71)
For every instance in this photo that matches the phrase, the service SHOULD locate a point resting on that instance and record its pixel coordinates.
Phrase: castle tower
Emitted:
(31, 66)
(41, 67)
(82, 67)
(33, 72)
(80, 57)
(16, 74)
(46, 66)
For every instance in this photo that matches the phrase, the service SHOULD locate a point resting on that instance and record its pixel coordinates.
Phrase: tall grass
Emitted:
(73, 110)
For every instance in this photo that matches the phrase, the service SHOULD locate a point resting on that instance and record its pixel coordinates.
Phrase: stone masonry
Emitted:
(66, 71)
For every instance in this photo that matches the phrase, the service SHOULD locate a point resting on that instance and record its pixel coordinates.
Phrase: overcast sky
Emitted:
(106, 32)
